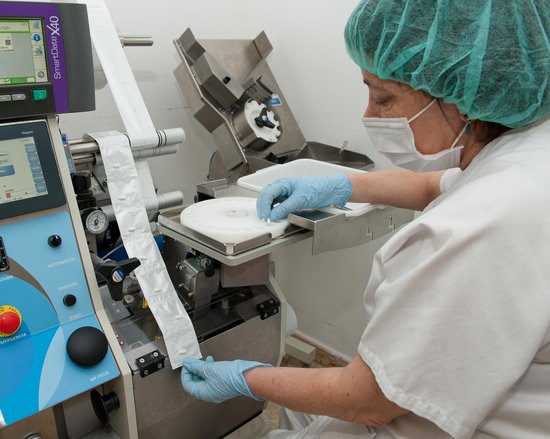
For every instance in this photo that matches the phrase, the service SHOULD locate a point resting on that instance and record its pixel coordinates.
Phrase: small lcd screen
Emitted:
(21, 175)
(22, 52)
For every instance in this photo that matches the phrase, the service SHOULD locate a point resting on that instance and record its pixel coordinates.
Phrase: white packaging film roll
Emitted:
(119, 75)
(130, 186)
(133, 222)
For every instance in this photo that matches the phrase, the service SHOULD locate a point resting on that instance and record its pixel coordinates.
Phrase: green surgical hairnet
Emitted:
(491, 58)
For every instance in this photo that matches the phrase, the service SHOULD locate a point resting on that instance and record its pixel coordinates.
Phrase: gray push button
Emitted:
(18, 97)
(5, 98)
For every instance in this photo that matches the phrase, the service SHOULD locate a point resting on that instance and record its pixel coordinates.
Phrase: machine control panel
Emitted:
(51, 344)
(36, 40)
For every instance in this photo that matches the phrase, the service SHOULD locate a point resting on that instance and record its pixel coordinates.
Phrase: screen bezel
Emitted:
(55, 196)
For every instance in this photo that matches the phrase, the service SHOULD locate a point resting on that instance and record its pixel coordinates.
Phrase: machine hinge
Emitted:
(150, 363)
(268, 308)
(4, 264)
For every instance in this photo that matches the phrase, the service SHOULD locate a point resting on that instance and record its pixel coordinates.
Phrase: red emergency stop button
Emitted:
(10, 320)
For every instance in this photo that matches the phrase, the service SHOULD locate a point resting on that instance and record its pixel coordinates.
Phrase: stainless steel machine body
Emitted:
(234, 316)
(218, 79)
(229, 323)
(228, 290)
(74, 280)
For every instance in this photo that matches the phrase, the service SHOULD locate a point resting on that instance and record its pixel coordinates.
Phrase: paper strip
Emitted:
(148, 192)
(133, 222)
(130, 186)
(119, 76)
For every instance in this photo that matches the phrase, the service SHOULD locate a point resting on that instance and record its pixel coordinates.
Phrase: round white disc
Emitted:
(229, 220)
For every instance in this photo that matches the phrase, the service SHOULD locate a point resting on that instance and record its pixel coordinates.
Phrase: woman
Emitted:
(458, 339)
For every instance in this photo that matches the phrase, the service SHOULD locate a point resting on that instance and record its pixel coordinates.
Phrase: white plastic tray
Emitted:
(302, 168)
(229, 220)
(296, 168)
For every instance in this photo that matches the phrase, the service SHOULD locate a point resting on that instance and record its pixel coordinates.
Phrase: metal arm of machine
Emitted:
(86, 150)
(100, 80)
(165, 201)
(170, 136)
(135, 40)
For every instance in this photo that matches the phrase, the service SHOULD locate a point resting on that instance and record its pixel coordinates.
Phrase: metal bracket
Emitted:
(4, 264)
(268, 308)
(150, 363)
(336, 231)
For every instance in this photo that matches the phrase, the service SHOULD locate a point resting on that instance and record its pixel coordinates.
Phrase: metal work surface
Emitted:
(331, 228)
(233, 254)
(336, 232)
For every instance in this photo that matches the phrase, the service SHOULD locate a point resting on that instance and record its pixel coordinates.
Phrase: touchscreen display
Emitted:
(22, 52)
(21, 175)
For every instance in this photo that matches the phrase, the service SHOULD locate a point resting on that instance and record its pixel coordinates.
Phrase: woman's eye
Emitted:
(383, 102)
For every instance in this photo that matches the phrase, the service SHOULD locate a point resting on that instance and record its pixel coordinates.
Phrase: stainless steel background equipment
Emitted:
(229, 290)
(236, 313)
(234, 316)
(234, 322)
(218, 79)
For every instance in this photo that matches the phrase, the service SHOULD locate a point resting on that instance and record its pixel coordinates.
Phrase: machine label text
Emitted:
(55, 28)
(66, 287)
(62, 262)
(99, 376)
(14, 338)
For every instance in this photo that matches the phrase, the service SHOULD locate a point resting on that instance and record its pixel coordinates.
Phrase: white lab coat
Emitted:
(459, 305)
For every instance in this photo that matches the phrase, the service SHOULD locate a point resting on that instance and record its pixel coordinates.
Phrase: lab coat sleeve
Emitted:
(451, 327)
(448, 178)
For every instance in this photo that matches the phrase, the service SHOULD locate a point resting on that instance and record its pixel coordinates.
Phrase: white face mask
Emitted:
(393, 137)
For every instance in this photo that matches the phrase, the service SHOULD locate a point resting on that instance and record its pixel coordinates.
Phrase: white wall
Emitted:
(324, 90)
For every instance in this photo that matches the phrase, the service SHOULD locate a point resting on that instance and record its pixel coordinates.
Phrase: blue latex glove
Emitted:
(217, 381)
(295, 194)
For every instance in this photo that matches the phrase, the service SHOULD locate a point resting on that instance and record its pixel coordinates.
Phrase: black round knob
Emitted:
(87, 346)
(104, 404)
(69, 300)
(55, 241)
(82, 182)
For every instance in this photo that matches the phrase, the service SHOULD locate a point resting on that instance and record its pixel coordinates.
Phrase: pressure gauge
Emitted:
(96, 221)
